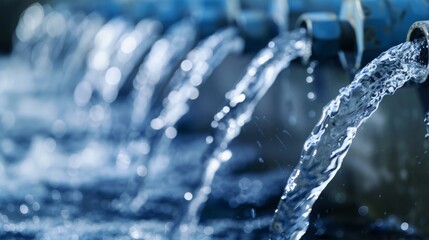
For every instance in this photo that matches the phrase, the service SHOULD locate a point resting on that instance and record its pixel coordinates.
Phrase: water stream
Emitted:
(242, 100)
(331, 138)
(57, 183)
(183, 87)
(165, 55)
(426, 121)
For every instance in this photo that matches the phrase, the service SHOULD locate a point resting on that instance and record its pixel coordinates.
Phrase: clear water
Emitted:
(193, 72)
(164, 56)
(110, 67)
(331, 138)
(426, 121)
(74, 67)
(242, 101)
(129, 52)
(59, 186)
(183, 87)
(94, 111)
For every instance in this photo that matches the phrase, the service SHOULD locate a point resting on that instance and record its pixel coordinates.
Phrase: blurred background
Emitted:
(62, 177)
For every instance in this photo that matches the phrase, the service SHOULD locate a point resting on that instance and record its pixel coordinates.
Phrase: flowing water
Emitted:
(242, 101)
(426, 121)
(58, 190)
(98, 62)
(164, 56)
(193, 71)
(331, 138)
(127, 53)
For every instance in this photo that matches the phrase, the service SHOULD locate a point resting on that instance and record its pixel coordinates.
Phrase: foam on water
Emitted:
(242, 101)
(331, 138)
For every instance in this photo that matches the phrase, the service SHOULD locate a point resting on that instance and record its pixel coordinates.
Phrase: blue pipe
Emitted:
(372, 26)
(298, 7)
(379, 25)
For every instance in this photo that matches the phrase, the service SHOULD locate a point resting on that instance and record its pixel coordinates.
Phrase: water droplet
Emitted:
(363, 210)
(225, 155)
(23, 209)
(209, 139)
(141, 171)
(35, 206)
(157, 124)
(171, 132)
(311, 96)
(188, 196)
(56, 195)
(113, 76)
(404, 226)
(186, 65)
(99, 60)
(129, 44)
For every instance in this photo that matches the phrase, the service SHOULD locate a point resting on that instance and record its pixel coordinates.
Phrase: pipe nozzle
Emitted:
(419, 30)
(328, 34)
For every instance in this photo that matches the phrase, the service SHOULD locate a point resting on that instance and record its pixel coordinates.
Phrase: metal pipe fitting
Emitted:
(328, 34)
(259, 21)
(378, 25)
(419, 30)
(298, 7)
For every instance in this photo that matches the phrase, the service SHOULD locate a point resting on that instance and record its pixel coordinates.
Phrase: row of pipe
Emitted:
(354, 30)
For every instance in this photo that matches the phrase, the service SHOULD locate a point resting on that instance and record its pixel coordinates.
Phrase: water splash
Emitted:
(164, 56)
(86, 94)
(129, 52)
(193, 71)
(426, 121)
(331, 138)
(74, 68)
(242, 101)
(28, 31)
